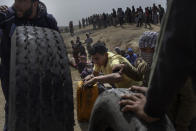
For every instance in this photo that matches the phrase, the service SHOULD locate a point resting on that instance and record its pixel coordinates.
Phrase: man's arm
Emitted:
(132, 72)
(110, 78)
(174, 58)
(87, 78)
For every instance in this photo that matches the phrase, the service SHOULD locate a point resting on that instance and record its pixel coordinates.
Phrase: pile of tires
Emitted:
(41, 94)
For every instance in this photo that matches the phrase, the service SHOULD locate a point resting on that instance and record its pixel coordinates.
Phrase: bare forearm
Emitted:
(111, 78)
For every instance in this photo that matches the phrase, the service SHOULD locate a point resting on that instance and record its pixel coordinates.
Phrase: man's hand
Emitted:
(88, 78)
(118, 68)
(135, 103)
(3, 8)
(89, 82)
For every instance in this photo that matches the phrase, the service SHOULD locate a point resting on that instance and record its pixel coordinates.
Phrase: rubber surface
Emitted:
(106, 116)
(41, 94)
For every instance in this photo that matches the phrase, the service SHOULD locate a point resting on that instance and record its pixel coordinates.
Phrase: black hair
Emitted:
(99, 48)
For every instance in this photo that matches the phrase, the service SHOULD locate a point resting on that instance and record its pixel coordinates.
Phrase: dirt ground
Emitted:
(2, 113)
(123, 37)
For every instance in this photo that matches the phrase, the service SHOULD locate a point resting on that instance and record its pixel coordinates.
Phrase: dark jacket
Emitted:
(175, 57)
(8, 23)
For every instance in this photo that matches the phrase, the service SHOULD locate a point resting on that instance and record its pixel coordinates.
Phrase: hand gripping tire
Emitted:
(40, 92)
(106, 116)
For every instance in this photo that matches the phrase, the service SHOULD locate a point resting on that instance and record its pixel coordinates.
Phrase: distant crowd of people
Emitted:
(140, 16)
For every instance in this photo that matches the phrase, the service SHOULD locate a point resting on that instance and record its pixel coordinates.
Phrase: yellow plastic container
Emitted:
(86, 98)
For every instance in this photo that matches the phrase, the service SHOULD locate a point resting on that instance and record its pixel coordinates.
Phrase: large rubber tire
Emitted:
(106, 116)
(41, 94)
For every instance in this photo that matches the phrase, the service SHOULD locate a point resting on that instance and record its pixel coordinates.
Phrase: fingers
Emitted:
(131, 102)
(128, 108)
(126, 102)
(139, 95)
(139, 89)
(88, 83)
(131, 97)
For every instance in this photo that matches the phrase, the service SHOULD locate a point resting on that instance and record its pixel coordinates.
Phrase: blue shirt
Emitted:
(132, 58)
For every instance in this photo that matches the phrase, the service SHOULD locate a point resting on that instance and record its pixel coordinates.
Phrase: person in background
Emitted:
(131, 56)
(147, 43)
(120, 14)
(88, 70)
(147, 18)
(104, 62)
(76, 51)
(133, 14)
(83, 23)
(128, 15)
(71, 28)
(161, 13)
(88, 42)
(154, 14)
(80, 25)
(82, 63)
(117, 50)
(120, 52)
(78, 40)
(123, 53)
(114, 17)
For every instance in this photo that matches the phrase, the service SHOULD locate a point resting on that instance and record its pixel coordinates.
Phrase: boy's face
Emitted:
(99, 59)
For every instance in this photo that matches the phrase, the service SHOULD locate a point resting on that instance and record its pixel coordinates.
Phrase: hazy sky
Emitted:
(66, 10)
